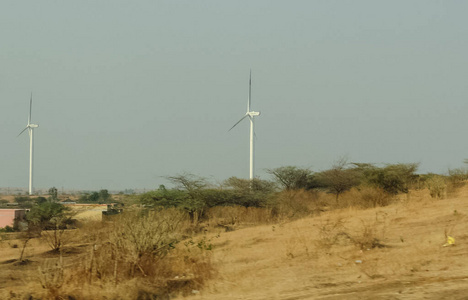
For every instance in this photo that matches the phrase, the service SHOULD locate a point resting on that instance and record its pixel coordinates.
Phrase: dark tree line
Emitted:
(392, 178)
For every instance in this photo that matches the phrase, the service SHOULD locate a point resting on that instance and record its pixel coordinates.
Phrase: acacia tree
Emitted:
(249, 193)
(53, 193)
(31, 232)
(393, 178)
(193, 186)
(163, 197)
(104, 195)
(51, 219)
(339, 178)
(293, 178)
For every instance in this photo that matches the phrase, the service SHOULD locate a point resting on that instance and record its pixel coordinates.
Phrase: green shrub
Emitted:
(195, 195)
(294, 178)
(24, 201)
(100, 197)
(393, 178)
(7, 229)
(338, 180)
(52, 219)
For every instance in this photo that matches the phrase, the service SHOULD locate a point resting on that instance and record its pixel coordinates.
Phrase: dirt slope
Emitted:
(395, 252)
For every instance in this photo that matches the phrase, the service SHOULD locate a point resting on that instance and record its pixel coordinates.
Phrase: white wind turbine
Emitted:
(251, 115)
(30, 127)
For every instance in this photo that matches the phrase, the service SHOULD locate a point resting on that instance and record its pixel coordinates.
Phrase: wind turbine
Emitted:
(250, 114)
(30, 127)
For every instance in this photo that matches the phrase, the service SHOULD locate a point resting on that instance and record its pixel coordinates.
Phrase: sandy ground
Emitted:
(302, 260)
(88, 212)
(322, 258)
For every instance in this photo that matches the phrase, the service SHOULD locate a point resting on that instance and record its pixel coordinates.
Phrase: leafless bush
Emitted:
(256, 215)
(436, 186)
(363, 197)
(239, 215)
(139, 238)
(367, 238)
(293, 204)
(56, 238)
(143, 246)
(372, 233)
(147, 231)
(51, 277)
(331, 232)
(458, 175)
(373, 197)
(456, 179)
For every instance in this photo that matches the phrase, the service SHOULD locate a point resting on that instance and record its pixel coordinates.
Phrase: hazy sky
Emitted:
(128, 91)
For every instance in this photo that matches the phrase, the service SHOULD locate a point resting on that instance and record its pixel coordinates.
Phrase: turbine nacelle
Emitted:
(253, 113)
(29, 126)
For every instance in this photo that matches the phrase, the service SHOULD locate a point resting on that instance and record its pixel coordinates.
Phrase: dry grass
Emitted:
(437, 186)
(385, 252)
(296, 204)
(379, 253)
(232, 217)
(135, 256)
(360, 197)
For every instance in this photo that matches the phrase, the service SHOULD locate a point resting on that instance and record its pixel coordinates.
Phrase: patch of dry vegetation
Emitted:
(137, 255)
(384, 252)
(307, 245)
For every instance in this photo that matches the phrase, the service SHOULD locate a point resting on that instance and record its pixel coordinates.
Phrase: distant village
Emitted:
(15, 203)
(44, 191)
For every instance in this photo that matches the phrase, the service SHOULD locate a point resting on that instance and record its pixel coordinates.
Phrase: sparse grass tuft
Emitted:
(372, 233)
(331, 232)
(335, 232)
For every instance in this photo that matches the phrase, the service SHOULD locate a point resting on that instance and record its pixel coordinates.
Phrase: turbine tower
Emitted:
(251, 114)
(30, 127)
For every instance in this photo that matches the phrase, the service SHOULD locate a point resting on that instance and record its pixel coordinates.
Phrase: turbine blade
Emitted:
(22, 131)
(250, 91)
(30, 110)
(239, 121)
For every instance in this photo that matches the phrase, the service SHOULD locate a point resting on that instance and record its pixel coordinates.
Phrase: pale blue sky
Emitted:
(128, 91)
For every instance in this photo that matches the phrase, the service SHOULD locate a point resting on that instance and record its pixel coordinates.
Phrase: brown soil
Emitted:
(302, 260)
(394, 252)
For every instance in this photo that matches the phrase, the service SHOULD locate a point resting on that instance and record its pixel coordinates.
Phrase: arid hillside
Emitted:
(394, 252)
(399, 251)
